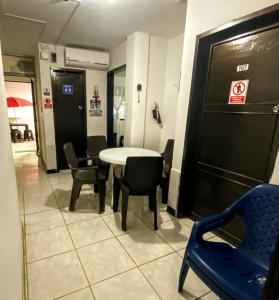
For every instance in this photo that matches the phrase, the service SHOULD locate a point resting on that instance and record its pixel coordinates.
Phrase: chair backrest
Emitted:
(260, 211)
(143, 174)
(70, 155)
(95, 144)
(271, 288)
(168, 152)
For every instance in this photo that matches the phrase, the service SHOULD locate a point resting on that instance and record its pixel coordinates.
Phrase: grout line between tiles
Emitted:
(45, 229)
(72, 293)
(75, 249)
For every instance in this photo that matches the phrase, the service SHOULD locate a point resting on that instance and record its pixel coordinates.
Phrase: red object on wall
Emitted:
(48, 103)
(17, 102)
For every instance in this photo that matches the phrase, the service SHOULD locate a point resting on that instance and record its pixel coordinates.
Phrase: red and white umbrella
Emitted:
(17, 102)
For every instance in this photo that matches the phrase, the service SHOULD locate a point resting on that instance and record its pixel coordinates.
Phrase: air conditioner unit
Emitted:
(87, 59)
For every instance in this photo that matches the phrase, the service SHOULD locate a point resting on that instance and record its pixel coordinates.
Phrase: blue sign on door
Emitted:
(68, 89)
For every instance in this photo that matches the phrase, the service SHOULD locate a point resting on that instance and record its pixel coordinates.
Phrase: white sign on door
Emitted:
(238, 91)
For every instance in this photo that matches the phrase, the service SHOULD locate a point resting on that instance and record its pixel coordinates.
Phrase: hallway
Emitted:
(82, 255)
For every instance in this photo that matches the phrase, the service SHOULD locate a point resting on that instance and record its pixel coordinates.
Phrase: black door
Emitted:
(69, 107)
(238, 139)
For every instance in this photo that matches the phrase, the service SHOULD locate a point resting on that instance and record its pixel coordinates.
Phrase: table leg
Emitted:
(117, 174)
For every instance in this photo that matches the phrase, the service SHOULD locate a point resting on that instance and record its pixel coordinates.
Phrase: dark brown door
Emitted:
(69, 107)
(237, 143)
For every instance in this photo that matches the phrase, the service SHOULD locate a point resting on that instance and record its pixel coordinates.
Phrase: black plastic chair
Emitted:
(95, 144)
(167, 155)
(84, 175)
(142, 177)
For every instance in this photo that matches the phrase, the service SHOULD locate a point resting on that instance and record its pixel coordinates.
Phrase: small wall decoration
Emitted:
(46, 92)
(95, 112)
(95, 104)
(47, 103)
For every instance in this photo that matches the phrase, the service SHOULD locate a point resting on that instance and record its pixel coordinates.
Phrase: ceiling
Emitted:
(98, 24)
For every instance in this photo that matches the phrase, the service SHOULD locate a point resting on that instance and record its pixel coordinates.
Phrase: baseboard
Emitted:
(171, 211)
(51, 171)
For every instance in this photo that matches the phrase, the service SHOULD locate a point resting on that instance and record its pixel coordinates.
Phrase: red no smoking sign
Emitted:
(238, 92)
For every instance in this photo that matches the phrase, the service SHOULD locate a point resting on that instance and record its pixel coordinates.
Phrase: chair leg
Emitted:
(96, 188)
(116, 192)
(75, 190)
(155, 210)
(102, 196)
(78, 193)
(183, 273)
(151, 201)
(125, 197)
(165, 189)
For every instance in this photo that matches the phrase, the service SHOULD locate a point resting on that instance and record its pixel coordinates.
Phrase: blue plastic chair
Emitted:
(236, 273)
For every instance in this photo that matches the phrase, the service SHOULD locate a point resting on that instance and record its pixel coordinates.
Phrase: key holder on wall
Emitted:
(139, 89)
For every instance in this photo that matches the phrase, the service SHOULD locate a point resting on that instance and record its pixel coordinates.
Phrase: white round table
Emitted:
(118, 156)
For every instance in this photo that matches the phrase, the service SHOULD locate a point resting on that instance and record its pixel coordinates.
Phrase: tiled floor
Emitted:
(84, 255)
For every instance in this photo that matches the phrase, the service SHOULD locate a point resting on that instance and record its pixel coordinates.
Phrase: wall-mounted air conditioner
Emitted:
(87, 59)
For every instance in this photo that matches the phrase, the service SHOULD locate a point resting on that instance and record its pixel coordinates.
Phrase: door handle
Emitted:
(276, 109)
(81, 108)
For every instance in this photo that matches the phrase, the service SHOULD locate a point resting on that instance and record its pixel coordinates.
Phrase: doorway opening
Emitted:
(22, 115)
(69, 108)
(116, 107)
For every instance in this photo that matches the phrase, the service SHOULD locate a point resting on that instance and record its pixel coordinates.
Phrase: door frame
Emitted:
(77, 71)
(32, 81)
(110, 98)
(245, 25)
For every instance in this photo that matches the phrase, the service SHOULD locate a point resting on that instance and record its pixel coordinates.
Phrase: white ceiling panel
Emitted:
(101, 24)
(19, 36)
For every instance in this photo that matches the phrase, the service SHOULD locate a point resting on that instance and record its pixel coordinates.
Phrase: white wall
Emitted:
(170, 99)
(155, 91)
(95, 125)
(11, 245)
(201, 16)
(117, 56)
(136, 72)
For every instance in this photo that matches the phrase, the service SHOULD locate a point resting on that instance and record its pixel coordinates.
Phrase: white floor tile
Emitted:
(88, 232)
(35, 189)
(64, 196)
(33, 205)
(175, 233)
(181, 252)
(43, 220)
(47, 243)
(127, 286)
(210, 296)
(144, 245)
(104, 260)
(163, 274)
(84, 294)
(56, 276)
(84, 210)
(114, 223)
(189, 222)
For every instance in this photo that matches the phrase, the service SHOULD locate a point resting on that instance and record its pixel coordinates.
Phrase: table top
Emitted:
(118, 156)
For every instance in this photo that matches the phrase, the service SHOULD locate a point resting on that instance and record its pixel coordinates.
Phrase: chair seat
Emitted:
(239, 276)
(86, 175)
